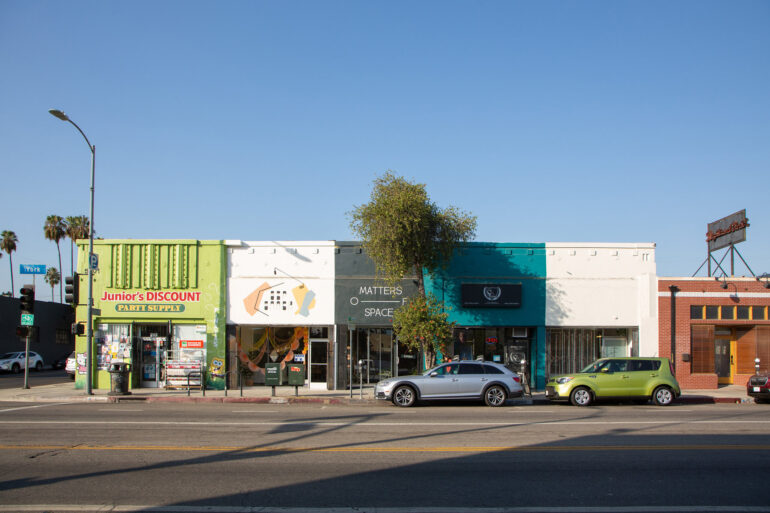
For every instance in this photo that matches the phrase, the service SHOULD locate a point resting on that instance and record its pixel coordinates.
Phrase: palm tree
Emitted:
(8, 244)
(76, 228)
(53, 278)
(54, 230)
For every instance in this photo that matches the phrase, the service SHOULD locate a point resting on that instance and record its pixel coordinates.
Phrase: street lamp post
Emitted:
(89, 324)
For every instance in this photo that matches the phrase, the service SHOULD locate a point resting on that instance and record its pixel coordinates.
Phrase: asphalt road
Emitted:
(45, 377)
(242, 457)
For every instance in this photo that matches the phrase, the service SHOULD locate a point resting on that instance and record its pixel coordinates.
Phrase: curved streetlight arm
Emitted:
(61, 115)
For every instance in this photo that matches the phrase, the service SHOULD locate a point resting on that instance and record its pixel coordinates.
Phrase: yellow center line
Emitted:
(168, 448)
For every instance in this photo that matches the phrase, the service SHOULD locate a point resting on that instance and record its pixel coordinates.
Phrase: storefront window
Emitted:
(258, 345)
(373, 347)
(571, 349)
(113, 344)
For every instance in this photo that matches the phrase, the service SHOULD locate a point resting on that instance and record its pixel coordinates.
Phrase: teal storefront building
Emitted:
(496, 293)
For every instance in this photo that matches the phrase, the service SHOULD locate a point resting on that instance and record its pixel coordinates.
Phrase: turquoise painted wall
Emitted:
(484, 262)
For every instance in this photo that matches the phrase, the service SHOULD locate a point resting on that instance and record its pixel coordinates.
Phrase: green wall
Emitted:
(498, 263)
(134, 270)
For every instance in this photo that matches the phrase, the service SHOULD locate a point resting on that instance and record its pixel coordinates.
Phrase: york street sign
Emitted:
(31, 269)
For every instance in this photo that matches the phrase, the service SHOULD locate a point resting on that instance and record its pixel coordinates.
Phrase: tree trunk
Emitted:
(61, 285)
(10, 256)
(420, 279)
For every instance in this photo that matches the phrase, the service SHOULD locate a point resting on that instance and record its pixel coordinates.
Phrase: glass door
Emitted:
(318, 363)
(723, 360)
(152, 344)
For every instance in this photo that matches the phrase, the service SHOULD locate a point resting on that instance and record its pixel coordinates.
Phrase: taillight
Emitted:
(517, 379)
(671, 368)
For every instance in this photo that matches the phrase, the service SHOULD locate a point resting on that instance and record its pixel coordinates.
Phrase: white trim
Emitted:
(765, 295)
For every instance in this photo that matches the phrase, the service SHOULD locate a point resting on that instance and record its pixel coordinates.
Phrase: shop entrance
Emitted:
(517, 353)
(319, 357)
(724, 359)
(152, 343)
(373, 347)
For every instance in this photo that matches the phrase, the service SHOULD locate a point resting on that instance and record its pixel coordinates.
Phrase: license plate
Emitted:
(756, 389)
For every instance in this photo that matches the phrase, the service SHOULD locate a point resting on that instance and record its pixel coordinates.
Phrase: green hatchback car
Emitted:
(639, 379)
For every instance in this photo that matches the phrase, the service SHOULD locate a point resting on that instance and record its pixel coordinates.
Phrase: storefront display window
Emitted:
(113, 345)
(571, 349)
(259, 345)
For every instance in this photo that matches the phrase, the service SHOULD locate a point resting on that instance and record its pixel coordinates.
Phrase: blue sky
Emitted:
(551, 121)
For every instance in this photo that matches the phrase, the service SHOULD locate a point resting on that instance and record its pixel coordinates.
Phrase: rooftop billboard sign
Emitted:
(727, 231)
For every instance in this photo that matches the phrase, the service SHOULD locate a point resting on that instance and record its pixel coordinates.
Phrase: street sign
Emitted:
(94, 262)
(31, 269)
(27, 319)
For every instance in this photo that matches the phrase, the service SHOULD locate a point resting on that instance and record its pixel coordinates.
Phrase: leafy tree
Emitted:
(8, 244)
(53, 278)
(76, 228)
(423, 323)
(54, 229)
(404, 232)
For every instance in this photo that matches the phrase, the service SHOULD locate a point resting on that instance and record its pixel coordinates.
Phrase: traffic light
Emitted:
(78, 328)
(22, 331)
(27, 299)
(71, 288)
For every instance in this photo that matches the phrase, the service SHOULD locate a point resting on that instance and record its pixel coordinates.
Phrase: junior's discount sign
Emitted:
(149, 301)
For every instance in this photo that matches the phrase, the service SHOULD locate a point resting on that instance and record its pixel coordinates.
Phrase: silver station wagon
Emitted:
(491, 382)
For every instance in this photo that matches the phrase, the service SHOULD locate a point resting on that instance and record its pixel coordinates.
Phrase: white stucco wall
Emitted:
(603, 285)
(280, 283)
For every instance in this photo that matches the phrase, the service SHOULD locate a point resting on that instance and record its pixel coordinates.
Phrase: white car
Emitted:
(491, 382)
(72, 365)
(14, 362)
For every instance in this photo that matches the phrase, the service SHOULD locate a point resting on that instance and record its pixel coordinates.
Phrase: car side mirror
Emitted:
(433, 374)
(605, 370)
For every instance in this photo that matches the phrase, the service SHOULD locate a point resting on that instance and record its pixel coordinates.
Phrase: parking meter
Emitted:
(361, 365)
(524, 382)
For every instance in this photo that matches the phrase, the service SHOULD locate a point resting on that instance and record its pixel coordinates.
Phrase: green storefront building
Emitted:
(159, 308)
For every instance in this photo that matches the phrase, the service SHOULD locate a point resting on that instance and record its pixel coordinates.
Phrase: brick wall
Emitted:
(703, 291)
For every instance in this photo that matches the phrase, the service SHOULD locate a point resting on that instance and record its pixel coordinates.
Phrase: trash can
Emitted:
(119, 373)
(273, 374)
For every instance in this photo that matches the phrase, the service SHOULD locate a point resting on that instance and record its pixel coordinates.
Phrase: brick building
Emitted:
(720, 326)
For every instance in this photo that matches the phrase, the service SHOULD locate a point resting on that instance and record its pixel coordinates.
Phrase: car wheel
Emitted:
(759, 400)
(581, 396)
(404, 396)
(495, 396)
(16, 368)
(662, 396)
(39, 366)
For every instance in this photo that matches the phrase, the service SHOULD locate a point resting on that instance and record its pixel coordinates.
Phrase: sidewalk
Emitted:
(66, 392)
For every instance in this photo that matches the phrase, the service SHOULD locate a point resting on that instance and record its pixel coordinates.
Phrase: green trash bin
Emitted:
(273, 375)
(297, 374)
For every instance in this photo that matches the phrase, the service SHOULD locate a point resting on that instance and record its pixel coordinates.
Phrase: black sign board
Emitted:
(491, 295)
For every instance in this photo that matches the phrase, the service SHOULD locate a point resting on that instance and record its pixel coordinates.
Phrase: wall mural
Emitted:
(267, 299)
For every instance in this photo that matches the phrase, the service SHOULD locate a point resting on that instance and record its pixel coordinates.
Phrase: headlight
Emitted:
(565, 379)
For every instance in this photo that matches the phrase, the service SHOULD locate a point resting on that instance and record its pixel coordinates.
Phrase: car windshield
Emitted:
(597, 366)
(8, 356)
